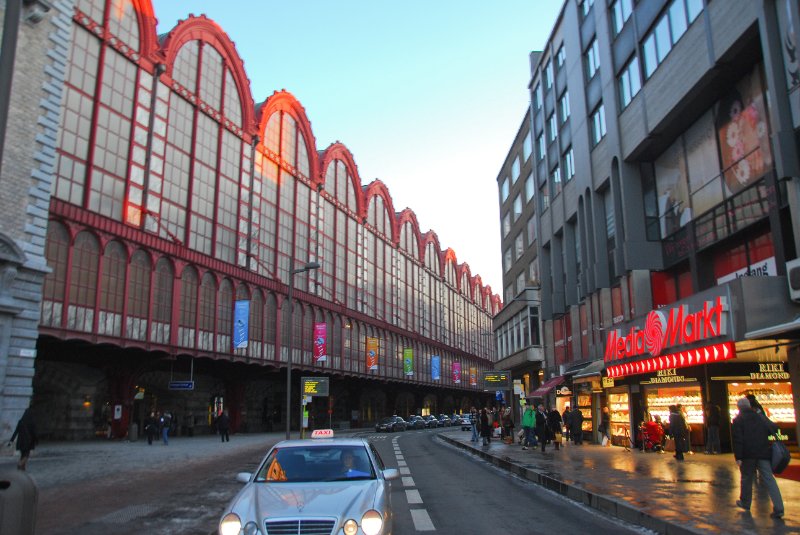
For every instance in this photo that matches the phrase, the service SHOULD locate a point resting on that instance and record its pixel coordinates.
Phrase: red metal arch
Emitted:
(449, 255)
(286, 102)
(379, 189)
(461, 269)
(206, 30)
(338, 151)
(432, 237)
(148, 36)
(409, 216)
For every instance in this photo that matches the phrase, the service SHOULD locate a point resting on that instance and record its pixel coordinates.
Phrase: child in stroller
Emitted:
(652, 434)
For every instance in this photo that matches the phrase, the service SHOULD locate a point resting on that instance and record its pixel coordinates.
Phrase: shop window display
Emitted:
(619, 408)
(776, 399)
(659, 400)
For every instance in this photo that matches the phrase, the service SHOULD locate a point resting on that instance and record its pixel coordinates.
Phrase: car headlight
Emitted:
(372, 522)
(230, 524)
(350, 527)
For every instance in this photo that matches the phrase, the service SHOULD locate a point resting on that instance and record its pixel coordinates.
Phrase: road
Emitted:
(183, 487)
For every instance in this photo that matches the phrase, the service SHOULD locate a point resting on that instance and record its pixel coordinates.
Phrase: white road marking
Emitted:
(404, 471)
(401, 463)
(422, 521)
(409, 482)
(413, 497)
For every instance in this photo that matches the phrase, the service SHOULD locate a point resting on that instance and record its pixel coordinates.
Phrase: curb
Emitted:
(608, 505)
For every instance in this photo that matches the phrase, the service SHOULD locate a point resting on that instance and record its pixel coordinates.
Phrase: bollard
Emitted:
(18, 497)
(133, 432)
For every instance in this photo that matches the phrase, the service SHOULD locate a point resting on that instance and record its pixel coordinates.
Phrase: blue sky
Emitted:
(427, 94)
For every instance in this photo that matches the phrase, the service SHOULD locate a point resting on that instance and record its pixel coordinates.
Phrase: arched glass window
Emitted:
(270, 326)
(138, 296)
(56, 252)
(112, 290)
(83, 283)
(207, 308)
(184, 70)
(188, 315)
(255, 343)
(160, 328)
(225, 317)
(123, 24)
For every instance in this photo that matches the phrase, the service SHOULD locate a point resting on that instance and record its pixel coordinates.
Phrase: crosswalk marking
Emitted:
(422, 520)
(413, 497)
(408, 482)
(404, 471)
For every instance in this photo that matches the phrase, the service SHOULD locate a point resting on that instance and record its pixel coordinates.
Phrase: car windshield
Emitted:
(319, 463)
(387, 420)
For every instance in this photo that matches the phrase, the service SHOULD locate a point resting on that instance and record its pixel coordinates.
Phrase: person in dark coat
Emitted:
(713, 419)
(25, 435)
(678, 431)
(567, 419)
(486, 429)
(605, 427)
(542, 430)
(753, 451)
(224, 426)
(576, 423)
(151, 427)
(554, 422)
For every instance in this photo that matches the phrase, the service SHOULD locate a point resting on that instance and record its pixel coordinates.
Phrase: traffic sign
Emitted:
(181, 385)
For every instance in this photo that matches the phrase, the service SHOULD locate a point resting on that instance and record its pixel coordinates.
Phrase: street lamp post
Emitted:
(292, 273)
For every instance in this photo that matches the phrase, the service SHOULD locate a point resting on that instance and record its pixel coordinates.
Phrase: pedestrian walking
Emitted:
(682, 410)
(753, 451)
(473, 422)
(678, 431)
(529, 426)
(224, 425)
(567, 419)
(554, 422)
(151, 427)
(508, 426)
(25, 435)
(165, 422)
(542, 432)
(712, 414)
(603, 428)
(576, 422)
(486, 429)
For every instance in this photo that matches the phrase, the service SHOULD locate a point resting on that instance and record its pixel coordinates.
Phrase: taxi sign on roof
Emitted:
(322, 433)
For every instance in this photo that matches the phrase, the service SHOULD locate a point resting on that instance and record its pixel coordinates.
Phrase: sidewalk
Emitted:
(647, 489)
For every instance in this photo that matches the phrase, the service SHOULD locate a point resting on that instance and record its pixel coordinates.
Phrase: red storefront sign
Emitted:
(666, 328)
(693, 357)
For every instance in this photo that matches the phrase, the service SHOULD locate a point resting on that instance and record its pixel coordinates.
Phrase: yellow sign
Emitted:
(608, 382)
(315, 386)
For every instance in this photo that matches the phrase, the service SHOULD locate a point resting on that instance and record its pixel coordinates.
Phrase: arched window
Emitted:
(206, 309)
(270, 326)
(255, 344)
(123, 24)
(56, 252)
(160, 328)
(138, 296)
(112, 290)
(83, 283)
(188, 316)
(225, 317)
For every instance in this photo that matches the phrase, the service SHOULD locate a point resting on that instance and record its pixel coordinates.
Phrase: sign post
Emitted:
(311, 387)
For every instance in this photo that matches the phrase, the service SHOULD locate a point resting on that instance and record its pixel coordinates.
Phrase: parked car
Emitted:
(444, 420)
(431, 421)
(390, 424)
(463, 421)
(342, 484)
(416, 422)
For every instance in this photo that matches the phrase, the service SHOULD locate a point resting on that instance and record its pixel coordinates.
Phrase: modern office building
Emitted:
(187, 215)
(667, 208)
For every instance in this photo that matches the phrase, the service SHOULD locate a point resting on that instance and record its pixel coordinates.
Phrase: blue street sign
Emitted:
(181, 385)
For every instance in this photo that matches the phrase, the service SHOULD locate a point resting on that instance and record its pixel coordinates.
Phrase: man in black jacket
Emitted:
(753, 451)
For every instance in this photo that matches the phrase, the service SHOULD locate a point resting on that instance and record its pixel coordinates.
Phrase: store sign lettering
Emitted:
(669, 328)
(769, 372)
(667, 376)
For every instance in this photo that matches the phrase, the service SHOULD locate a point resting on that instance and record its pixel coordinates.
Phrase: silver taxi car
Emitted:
(331, 486)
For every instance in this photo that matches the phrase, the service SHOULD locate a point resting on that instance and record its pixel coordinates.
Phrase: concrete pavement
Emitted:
(649, 489)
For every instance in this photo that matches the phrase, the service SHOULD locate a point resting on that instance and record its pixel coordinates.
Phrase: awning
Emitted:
(575, 368)
(593, 369)
(546, 387)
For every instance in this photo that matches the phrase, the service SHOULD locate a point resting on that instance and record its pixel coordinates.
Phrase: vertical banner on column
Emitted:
(408, 361)
(473, 376)
(457, 373)
(241, 321)
(436, 366)
(320, 342)
(372, 353)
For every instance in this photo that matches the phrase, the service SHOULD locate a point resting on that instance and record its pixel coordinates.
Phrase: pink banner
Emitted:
(320, 339)
(457, 372)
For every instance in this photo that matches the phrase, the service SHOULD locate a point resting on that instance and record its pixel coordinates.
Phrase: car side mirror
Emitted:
(243, 477)
(390, 473)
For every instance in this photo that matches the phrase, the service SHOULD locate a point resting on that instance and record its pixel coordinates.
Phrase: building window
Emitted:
(519, 246)
(592, 59)
(552, 127)
(540, 146)
(629, 82)
(507, 260)
(548, 74)
(506, 224)
(598, 124)
(527, 148)
(504, 190)
(561, 57)
(569, 165)
(529, 187)
(555, 177)
(517, 207)
(621, 10)
(563, 107)
(586, 7)
(544, 198)
(537, 97)
(531, 230)
(515, 169)
(667, 30)
(520, 282)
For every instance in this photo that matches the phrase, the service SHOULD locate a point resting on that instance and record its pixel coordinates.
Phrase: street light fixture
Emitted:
(292, 273)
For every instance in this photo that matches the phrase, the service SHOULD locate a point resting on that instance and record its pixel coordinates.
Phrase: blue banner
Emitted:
(436, 368)
(241, 323)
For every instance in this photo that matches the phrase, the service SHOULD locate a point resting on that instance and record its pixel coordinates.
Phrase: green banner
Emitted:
(408, 361)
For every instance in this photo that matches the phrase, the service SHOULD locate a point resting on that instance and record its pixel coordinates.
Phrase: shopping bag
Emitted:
(521, 435)
(559, 438)
(605, 440)
(669, 445)
(780, 456)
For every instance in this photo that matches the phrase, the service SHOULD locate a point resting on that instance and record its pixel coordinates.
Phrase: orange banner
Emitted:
(372, 353)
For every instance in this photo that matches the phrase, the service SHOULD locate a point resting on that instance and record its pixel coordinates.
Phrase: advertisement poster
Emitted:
(372, 353)
(457, 373)
(320, 339)
(436, 367)
(473, 377)
(408, 361)
(241, 320)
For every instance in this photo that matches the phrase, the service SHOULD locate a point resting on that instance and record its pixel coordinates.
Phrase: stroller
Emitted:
(652, 436)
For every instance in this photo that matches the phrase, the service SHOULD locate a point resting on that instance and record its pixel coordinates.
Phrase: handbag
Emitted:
(558, 438)
(605, 440)
(669, 445)
(780, 456)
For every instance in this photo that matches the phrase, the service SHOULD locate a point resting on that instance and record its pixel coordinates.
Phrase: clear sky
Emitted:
(426, 94)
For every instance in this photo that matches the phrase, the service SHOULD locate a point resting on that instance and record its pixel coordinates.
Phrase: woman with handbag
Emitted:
(678, 431)
(554, 422)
